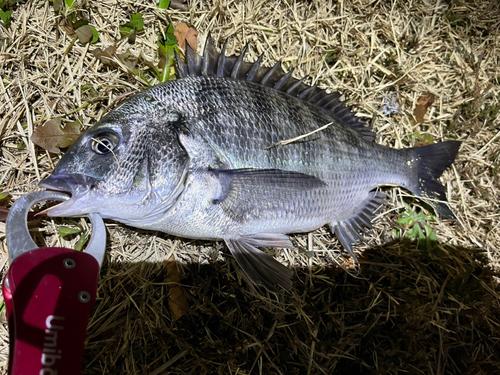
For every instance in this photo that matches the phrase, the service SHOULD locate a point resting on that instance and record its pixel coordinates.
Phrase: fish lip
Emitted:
(75, 185)
(68, 183)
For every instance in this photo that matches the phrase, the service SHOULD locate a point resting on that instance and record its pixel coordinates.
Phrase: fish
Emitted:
(204, 157)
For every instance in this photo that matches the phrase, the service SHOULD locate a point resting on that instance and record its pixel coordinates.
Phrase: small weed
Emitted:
(418, 139)
(167, 47)
(67, 232)
(6, 9)
(163, 4)
(132, 28)
(74, 22)
(333, 55)
(414, 226)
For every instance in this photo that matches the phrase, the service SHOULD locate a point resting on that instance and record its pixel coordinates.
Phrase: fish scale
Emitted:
(200, 157)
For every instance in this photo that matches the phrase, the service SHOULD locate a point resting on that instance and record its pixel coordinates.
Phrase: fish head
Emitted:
(128, 167)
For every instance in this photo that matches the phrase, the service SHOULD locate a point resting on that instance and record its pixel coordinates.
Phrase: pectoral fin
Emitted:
(248, 194)
(258, 266)
(241, 179)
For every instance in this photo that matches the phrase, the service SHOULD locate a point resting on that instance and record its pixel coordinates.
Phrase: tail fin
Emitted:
(431, 162)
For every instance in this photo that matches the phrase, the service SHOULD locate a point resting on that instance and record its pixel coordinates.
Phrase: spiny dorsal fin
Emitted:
(219, 65)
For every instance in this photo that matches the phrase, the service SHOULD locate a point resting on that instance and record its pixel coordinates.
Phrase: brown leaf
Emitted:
(66, 26)
(52, 136)
(106, 56)
(423, 103)
(128, 59)
(177, 296)
(58, 5)
(84, 34)
(183, 32)
(179, 4)
(4, 211)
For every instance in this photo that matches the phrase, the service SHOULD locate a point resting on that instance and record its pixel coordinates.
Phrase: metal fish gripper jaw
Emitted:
(48, 294)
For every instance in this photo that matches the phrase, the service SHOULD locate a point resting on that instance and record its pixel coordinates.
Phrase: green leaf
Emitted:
(95, 34)
(89, 89)
(333, 55)
(80, 244)
(137, 21)
(70, 3)
(166, 47)
(5, 16)
(79, 23)
(4, 195)
(66, 231)
(131, 35)
(126, 29)
(167, 57)
(407, 220)
(398, 232)
(413, 232)
(87, 34)
(163, 4)
(131, 28)
(423, 138)
(170, 39)
(87, 86)
(420, 234)
(21, 145)
(430, 233)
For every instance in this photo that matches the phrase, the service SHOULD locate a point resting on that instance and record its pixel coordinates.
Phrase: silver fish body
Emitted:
(225, 127)
(200, 157)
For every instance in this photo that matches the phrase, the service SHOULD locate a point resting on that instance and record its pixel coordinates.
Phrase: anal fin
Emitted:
(349, 231)
(259, 267)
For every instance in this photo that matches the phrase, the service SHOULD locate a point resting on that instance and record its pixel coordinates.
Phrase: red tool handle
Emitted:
(48, 295)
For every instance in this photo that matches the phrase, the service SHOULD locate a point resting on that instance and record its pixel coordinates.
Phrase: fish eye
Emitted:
(103, 143)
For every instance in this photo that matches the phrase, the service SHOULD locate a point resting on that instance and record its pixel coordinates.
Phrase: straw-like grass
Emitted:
(407, 310)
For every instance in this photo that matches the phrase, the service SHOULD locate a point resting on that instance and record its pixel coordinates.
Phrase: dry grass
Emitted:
(433, 311)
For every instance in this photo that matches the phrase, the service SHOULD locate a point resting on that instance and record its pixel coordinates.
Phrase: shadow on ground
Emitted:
(412, 311)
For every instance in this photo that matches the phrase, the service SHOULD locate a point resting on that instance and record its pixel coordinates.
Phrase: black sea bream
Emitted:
(197, 158)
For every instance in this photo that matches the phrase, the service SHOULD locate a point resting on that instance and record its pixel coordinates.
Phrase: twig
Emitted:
(288, 141)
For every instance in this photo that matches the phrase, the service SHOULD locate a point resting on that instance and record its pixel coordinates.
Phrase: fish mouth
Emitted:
(75, 185)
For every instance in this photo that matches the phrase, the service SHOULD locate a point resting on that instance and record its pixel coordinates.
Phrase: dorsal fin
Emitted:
(217, 64)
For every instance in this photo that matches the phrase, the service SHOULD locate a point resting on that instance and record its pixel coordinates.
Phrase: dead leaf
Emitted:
(177, 296)
(106, 56)
(4, 212)
(52, 136)
(179, 4)
(84, 34)
(128, 59)
(58, 5)
(423, 103)
(66, 26)
(185, 33)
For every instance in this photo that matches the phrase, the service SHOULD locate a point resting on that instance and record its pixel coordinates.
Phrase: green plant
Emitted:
(167, 47)
(73, 230)
(414, 225)
(74, 23)
(6, 9)
(132, 28)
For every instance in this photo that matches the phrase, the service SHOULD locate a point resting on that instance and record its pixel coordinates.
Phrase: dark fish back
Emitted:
(213, 64)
